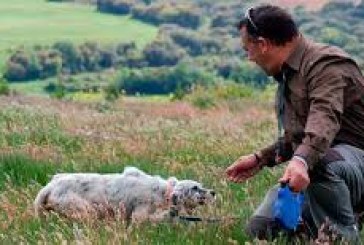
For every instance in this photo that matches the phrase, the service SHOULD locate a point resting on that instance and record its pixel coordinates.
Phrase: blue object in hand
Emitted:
(287, 208)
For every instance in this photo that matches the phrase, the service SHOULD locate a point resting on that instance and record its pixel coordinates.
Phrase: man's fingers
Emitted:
(241, 177)
(285, 177)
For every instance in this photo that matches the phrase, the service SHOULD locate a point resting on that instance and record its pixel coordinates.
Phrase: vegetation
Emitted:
(211, 46)
(4, 87)
(208, 107)
(38, 22)
(41, 137)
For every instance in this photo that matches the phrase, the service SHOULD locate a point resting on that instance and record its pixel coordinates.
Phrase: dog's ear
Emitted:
(172, 181)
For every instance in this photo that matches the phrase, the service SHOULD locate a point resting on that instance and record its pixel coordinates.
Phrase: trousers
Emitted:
(334, 196)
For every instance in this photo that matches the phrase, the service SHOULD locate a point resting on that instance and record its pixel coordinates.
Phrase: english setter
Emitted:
(132, 195)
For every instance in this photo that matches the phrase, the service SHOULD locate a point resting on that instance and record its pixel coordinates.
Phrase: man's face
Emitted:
(258, 50)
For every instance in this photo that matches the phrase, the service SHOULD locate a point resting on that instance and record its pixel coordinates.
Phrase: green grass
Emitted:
(35, 87)
(31, 127)
(166, 139)
(32, 22)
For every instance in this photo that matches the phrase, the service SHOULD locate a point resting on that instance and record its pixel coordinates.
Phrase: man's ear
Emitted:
(264, 44)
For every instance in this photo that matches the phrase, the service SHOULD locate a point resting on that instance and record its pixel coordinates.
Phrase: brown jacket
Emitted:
(323, 102)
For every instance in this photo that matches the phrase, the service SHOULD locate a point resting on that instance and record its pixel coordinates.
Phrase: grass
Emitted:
(38, 22)
(35, 87)
(163, 138)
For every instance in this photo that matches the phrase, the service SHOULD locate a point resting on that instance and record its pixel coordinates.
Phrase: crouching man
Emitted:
(320, 113)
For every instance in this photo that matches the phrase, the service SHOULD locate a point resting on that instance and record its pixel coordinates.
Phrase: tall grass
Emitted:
(159, 137)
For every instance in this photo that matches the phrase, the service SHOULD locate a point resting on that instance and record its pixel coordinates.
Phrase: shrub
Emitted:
(162, 80)
(4, 87)
(163, 52)
(121, 7)
(250, 74)
(184, 15)
(196, 43)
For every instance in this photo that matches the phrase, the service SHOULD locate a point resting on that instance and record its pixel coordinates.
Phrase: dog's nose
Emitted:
(213, 193)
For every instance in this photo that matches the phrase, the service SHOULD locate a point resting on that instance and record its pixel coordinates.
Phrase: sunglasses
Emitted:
(248, 17)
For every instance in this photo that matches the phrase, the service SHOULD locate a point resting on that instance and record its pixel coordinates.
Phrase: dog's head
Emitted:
(188, 194)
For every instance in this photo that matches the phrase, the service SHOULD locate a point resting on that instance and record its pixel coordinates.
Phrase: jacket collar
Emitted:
(294, 60)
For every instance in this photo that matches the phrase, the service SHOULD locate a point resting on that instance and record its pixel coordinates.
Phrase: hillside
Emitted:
(309, 4)
(38, 22)
(313, 5)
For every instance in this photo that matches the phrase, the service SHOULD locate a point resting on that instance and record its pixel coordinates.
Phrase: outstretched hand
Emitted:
(243, 168)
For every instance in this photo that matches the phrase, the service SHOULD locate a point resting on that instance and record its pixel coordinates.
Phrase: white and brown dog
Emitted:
(132, 195)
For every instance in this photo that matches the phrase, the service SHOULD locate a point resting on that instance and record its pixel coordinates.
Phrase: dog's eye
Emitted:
(195, 188)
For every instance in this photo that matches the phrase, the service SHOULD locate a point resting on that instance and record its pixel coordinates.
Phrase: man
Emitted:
(320, 113)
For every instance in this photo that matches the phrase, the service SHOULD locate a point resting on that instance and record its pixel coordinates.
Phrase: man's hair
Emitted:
(271, 22)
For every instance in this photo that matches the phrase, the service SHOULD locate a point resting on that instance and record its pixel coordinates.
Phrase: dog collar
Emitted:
(169, 191)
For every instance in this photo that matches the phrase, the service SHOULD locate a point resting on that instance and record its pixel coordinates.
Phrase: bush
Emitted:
(196, 43)
(163, 52)
(4, 87)
(250, 74)
(162, 80)
(201, 98)
(121, 7)
(184, 15)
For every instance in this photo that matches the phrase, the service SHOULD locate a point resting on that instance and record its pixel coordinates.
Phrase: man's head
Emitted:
(267, 33)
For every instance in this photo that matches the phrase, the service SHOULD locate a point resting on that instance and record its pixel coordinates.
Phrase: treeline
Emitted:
(213, 49)
(162, 80)
(172, 45)
(66, 58)
(338, 23)
(156, 13)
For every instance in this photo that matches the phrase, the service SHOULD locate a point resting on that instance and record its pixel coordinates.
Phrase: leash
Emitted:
(174, 216)
(198, 219)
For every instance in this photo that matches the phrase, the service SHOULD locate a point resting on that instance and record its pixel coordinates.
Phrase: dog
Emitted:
(132, 196)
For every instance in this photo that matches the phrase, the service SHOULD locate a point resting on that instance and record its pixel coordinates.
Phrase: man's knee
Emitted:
(262, 228)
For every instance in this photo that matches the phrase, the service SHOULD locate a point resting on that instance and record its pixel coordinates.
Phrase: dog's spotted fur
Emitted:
(132, 195)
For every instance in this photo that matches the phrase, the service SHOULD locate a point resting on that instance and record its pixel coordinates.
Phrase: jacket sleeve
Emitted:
(326, 102)
(276, 153)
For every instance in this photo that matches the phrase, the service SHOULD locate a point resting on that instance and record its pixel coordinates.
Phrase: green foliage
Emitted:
(4, 87)
(112, 92)
(65, 57)
(182, 14)
(26, 65)
(162, 80)
(59, 91)
(121, 7)
(196, 43)
(47, 23)
(250, 74)
(163, 52)
(234, 91)
(205, 98)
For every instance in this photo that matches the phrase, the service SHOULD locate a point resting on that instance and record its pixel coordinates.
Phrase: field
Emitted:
(38, 22)
(42, 136)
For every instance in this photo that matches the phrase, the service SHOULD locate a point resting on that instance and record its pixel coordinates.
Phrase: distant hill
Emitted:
(309, 4)
(38, 22)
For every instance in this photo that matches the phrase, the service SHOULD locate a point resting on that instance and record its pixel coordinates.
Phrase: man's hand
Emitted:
(243, 168)
(296, 175)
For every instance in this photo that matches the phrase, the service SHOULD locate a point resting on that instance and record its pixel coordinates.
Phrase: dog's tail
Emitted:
(40, 202)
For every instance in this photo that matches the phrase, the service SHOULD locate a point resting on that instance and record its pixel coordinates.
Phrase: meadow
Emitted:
(42, 136)
(38, 22)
